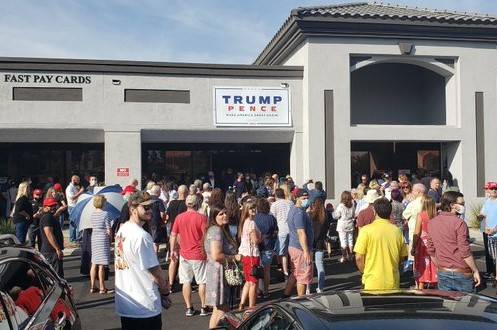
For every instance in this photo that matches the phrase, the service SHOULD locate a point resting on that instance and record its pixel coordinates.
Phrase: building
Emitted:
(355, 88)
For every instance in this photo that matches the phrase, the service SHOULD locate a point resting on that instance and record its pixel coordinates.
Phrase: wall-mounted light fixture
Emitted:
(284, 85)
(116, 82)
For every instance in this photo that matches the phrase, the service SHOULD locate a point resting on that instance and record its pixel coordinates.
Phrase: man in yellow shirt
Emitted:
(380, 250)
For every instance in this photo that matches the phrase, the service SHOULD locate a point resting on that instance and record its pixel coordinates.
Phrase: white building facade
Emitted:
(368, 88)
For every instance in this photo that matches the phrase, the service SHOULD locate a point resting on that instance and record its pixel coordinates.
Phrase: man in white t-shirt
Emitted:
(141, 285)
(73, 191)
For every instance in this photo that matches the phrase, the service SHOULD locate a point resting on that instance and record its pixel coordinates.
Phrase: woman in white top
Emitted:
(249, 237)
(345, 225)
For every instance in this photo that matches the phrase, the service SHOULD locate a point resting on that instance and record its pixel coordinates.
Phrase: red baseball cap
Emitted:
(128, 189)
(57, 187)
(37, 192)
(491, 186)
(49, 202)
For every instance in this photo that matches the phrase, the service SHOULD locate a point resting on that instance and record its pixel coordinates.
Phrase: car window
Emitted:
(18, 317)
(279, 321)
(260, 320)
(21, 283)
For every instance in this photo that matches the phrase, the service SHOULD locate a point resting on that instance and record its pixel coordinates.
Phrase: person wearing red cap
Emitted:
(57, 193)
(52, 240)
(34, 227)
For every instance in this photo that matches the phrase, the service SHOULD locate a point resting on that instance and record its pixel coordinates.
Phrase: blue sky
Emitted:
(209, 31)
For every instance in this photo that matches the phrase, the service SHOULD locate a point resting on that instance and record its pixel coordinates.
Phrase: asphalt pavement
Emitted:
(97, 311)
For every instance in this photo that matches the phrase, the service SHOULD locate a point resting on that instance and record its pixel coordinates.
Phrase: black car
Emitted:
(406, 310)
(32, 295)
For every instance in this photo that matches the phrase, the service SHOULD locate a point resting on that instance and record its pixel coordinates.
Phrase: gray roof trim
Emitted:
(149, 68)
(320, 23)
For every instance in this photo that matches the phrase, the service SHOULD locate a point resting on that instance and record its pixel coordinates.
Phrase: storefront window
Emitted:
(56, 160)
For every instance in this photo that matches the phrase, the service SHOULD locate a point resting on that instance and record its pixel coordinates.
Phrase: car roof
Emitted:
(348, 304)
(17, 251)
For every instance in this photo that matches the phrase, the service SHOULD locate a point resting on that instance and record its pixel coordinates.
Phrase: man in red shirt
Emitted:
(448, 244)
(367, 215)
(190, 226)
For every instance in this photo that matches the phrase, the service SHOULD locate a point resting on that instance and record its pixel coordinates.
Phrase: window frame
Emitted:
(48, 303)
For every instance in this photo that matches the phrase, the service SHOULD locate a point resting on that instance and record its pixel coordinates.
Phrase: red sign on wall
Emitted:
(123, 171)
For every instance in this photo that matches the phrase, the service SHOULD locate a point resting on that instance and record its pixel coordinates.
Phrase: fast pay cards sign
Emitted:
(247, 106)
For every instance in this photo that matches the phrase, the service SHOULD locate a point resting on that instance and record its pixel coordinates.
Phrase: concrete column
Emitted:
(122, 151)
(296, 164)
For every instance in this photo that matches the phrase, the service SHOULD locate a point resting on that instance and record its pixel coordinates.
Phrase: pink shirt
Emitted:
(448, 241)
(246, 249)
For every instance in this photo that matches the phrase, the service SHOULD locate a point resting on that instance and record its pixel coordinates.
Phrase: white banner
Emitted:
(252, 106)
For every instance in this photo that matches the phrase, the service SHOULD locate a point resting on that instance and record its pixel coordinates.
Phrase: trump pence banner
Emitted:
(251, 106)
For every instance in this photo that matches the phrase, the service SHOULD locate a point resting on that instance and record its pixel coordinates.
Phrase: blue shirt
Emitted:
(435, 195)
(267, 225)
(298, 219)
(489, 210)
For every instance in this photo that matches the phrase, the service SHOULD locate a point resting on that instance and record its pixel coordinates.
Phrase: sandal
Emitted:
(93, 290)
(106, 291)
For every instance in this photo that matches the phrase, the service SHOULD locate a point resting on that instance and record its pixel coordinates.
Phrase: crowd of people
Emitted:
(225, 241)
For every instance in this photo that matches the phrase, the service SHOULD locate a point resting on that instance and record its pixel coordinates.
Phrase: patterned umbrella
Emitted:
(81, 214)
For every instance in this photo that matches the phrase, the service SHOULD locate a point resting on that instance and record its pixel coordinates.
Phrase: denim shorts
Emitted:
(452, 281)
(281, 246)
(267, 257)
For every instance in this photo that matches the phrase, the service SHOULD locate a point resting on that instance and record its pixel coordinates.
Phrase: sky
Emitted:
(196, 31)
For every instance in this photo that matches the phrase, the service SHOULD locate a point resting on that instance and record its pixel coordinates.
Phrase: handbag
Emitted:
(258, 271)
(232, 274)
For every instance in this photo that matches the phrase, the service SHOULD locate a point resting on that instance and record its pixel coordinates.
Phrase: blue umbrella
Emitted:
(81, 214)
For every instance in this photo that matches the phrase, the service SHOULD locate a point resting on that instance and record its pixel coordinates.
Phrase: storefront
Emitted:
(339, 90)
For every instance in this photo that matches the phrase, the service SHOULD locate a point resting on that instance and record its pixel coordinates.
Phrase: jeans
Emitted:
(451, 281)
(318, 259)
(55, 262)
(34, 236)
(21, 231)
(74, 235)
(62, 219)
(234, 231)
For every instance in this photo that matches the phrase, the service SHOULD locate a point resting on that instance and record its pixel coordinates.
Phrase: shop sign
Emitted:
(252, 106)
(45, 79)
(123, 171)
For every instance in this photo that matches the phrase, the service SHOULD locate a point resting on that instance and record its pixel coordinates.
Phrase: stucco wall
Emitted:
(123, 126)
(327, 67)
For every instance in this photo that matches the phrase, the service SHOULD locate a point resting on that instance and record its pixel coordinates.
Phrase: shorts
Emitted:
(346, 239)
(267, 257)
(249, 263)
(192, 268)
(301, 270)
(281, 246)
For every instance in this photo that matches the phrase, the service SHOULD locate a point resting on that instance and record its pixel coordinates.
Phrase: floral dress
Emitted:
(217, 290)
(425, 270)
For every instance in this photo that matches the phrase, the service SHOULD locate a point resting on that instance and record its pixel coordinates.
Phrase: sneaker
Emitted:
(342, 260)
(318, 290)
(204, 311)
(190, 311)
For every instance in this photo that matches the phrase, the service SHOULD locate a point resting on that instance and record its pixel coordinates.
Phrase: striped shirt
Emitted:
(280, 210)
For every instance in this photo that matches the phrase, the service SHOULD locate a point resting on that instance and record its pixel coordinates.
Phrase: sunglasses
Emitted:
(221, 213)
(147, 207)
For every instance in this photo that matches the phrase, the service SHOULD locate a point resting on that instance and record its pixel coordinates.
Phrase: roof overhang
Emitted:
(297, 29)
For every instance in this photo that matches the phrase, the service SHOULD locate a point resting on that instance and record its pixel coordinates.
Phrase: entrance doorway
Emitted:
(411, 158)
(186, 162)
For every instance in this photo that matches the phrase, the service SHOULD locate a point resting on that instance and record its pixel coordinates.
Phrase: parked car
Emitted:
(406, 310)
(32, 295)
